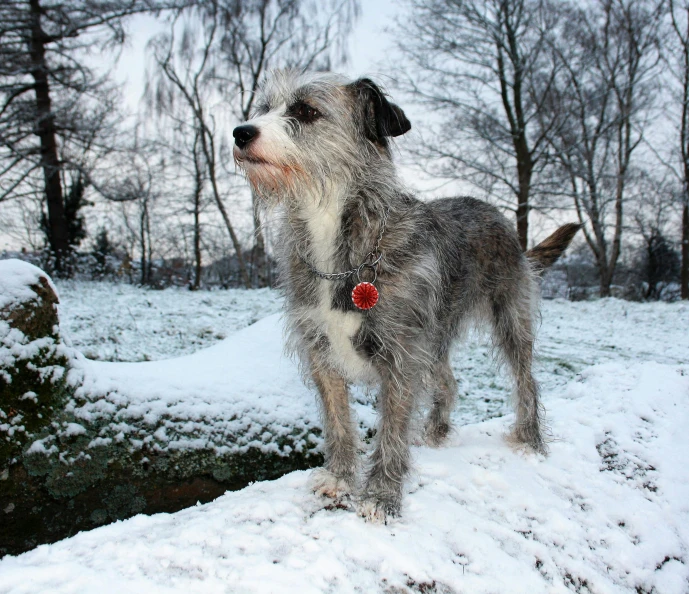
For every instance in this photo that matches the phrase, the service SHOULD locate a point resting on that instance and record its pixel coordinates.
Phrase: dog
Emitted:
(378, 284)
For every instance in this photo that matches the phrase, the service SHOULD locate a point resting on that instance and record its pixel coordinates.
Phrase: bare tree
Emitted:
(183, 71)
(656, 263)
(43, 85)
(215, 56)
(484, 68)
(138, 190)
(603, 95)
(287, 33)
(678, 59)
(184, 160)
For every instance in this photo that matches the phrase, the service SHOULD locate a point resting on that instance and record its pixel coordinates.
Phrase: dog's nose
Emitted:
(243, 135)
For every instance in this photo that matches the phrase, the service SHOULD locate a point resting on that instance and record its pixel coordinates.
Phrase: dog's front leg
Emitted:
(390, 461)
(338, 478)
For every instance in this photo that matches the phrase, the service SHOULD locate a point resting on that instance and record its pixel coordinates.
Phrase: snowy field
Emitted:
(607, 511)
(118, 322)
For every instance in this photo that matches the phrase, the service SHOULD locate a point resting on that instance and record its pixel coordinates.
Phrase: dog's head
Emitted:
(311, 130)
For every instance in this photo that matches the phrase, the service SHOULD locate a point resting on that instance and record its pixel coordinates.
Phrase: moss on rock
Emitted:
(33, 369)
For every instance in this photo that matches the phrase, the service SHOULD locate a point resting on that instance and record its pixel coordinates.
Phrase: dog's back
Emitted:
(481, 267)
(485, 240)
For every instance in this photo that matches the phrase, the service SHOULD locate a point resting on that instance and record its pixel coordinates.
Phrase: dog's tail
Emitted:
(546, 253)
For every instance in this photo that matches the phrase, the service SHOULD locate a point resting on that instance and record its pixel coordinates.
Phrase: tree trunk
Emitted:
(605, 279)
(144, 252)
(685, 249)
(198, 194)
(58, 234)
(149, 272)
(517, 125)
(523, 217)
(524, 172)
(197, 238)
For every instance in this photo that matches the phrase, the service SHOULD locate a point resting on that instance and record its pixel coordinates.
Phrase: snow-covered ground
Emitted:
(607, 511)
(118, 322)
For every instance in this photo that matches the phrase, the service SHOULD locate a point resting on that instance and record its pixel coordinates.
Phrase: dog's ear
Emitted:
(382, 119)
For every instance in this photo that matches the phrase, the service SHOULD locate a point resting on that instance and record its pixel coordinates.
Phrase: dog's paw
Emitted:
(325, 484)
(378, 510)
(526, 442)
(436, 434)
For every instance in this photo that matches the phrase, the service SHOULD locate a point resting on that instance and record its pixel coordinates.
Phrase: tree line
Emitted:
(61, 132)
(547, 106)
(561, 105)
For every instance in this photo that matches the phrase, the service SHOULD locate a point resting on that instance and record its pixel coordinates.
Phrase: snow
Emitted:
(110, 321)
(607, 511)
(121, 322)
(16, 277)
(244, 387)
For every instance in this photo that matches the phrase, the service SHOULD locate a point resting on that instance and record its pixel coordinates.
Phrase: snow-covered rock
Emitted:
(33, 357)
(16, 279)
(86, 442)
(240, 394)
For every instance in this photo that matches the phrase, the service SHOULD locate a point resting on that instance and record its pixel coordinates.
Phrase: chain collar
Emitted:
(371, 260)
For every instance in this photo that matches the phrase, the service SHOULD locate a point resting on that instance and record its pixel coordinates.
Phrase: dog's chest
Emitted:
(338, 326)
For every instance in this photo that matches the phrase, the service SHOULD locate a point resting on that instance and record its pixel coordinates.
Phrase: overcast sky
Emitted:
(371, 51)
(369, 46)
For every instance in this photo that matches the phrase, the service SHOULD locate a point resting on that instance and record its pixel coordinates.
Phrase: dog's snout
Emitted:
(243, 135)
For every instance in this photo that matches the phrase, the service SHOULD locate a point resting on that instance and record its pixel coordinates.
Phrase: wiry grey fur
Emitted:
(318, 145)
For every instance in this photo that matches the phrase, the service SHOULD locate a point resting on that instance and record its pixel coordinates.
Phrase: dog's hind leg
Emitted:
(338, 478)
(390, 460)
(438, 424)
(513, 334)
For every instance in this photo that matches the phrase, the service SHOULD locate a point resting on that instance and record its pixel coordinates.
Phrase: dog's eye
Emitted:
(304, 113)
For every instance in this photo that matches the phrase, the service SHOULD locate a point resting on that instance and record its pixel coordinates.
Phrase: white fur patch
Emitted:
(323, 221)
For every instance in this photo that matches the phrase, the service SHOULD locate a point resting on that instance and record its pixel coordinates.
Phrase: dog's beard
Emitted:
(272, 182)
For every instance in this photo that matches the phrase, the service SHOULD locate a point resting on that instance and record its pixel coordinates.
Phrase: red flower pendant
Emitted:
(365, 295)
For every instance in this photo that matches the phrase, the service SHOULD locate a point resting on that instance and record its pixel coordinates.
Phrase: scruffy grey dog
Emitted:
(318, 144)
